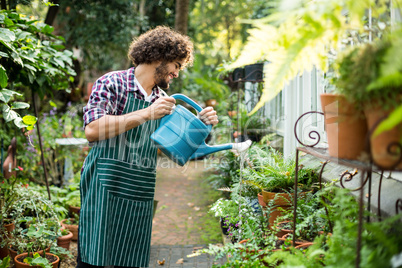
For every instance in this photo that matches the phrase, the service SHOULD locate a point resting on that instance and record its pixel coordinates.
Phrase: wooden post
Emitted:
(40, 145)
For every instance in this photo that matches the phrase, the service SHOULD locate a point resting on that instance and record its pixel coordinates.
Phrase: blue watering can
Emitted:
(181, 135)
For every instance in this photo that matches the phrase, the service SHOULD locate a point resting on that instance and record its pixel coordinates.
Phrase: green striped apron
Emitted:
(117, 191)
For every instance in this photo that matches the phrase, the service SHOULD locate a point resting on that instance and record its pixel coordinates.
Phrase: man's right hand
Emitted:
(161, 107)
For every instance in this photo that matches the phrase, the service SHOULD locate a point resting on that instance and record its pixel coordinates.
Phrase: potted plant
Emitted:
(345, 126)
(274, 176)
(225, 210)
(8, 196)
(36, 223)
(64, 239)
(311, 220)
(73, 200)
(252, 127)
(47, 260)
(71, 224)
(370, 75)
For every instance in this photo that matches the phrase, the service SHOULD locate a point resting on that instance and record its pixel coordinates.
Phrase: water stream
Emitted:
(243, 157)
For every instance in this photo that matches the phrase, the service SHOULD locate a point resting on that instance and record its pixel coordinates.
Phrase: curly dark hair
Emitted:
(161, 44)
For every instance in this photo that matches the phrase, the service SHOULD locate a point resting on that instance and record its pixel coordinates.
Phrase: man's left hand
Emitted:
(208, 116)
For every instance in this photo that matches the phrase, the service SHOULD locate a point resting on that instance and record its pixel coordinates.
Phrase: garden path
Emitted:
(181, 223)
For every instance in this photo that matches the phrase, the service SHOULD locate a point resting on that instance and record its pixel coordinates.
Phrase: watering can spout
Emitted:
(205, 149)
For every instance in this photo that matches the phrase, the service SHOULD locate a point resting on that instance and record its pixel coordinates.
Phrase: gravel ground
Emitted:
(70, 262)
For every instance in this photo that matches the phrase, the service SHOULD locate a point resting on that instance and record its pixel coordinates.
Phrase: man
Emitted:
(118, 176)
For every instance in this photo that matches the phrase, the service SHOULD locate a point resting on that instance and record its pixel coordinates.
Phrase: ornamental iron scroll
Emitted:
(348, 176)
(312, 134)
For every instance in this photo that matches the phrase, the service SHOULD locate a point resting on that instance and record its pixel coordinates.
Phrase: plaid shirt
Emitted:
(109, 95)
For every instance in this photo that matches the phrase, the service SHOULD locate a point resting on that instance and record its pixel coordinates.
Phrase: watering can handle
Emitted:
(188, 101)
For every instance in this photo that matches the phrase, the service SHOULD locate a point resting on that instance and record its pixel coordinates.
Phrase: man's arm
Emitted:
(109, 126)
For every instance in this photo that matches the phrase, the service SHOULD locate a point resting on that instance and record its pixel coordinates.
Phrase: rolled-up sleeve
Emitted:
(102, 100)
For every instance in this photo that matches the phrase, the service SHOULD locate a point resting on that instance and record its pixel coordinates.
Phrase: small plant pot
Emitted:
(282, 201)
(4, 250)
(224, 227)
(211, 102)
(282, 231)
(345, 127)
(19, 261)
(14, 253)
(232, 114)
(74, 210)
(72, 228)
(304, 245)
(384, 150)
(65, 240)
(297, 242)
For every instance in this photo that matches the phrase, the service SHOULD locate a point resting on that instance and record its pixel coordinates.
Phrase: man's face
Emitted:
(165, 73)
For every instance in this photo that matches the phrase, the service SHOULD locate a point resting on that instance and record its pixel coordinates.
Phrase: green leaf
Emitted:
(23, 35)
(29, 120)
(5, 262)
(28, 260)
(392, 121)
(19, 105)
(9, 114)
(53, 104)
(8, 22)
(3, 77)
(19, 123)
(5, 95)
(4, 55)
(17, 58)
(7, 35)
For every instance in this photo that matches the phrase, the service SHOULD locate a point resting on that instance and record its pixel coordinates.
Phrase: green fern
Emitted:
(298, 37)
(393, 80)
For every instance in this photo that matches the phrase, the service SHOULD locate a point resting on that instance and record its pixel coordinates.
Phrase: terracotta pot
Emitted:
(345, 127)
(72, 228)
(232, 113)
(19, 264)
(379, 144)
(211, 102)
(75, 210)
(4, 250)
(281, 199)
(64, 241)
(304, 245)
(14, 253)
(281, 231)
(278, 203)
(297, 242)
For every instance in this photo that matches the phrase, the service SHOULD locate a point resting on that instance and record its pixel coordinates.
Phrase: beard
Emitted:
(160, 76)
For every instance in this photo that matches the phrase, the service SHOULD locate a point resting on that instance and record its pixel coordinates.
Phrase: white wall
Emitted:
(299, 96)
